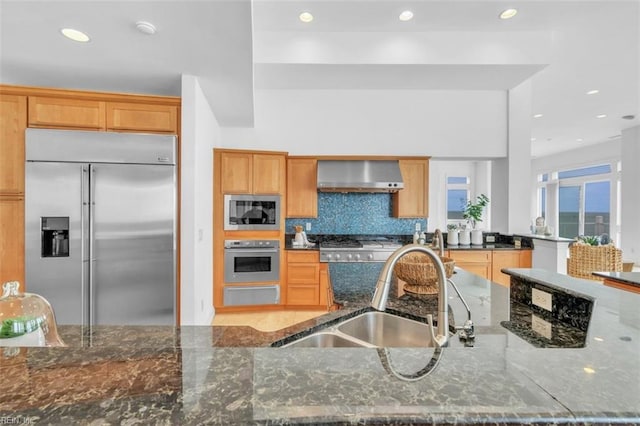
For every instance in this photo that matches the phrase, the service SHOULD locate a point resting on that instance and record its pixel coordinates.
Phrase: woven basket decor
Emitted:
(585, 259)
(419, 273)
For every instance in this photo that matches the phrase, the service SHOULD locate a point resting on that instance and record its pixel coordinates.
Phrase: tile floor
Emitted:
(266, 321)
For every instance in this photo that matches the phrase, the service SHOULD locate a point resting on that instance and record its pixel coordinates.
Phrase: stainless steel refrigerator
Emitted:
(100, 219)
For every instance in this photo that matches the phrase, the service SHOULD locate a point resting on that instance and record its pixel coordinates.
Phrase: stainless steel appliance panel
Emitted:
(244, 265)
(238, 211)
(133, 261)
(252, 295)
(58, 190)
(102, 147)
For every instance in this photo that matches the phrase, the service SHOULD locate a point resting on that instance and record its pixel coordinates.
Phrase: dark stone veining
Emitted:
(203, 375)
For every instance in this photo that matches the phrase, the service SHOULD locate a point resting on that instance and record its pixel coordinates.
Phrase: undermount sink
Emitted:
(324, 340)
(371, 329)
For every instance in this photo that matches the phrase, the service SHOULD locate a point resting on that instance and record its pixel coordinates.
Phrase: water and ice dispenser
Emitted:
(54, 236)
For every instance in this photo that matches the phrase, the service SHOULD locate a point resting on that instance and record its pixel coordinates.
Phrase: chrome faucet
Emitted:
(381, 294)
(438, 242)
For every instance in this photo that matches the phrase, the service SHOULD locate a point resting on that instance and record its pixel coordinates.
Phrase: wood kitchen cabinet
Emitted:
(308, 282)
(244, 172)
(66, 113)
(508, 259)
(412, 201)
(134, 117)
(302, 192)
(475, 261)
(12, 239)
(13, 122)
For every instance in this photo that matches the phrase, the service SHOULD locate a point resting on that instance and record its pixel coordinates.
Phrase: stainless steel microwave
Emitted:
(251, 212)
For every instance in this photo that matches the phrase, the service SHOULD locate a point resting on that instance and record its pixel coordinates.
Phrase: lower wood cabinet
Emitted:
(508, 259)
(308, 282)
(12, 239)
(489, 263)
(475, 261)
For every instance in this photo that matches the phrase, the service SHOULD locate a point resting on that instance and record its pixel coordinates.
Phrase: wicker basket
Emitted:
(585, 259)
(419, 273)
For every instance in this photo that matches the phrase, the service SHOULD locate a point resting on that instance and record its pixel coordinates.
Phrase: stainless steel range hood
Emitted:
(359, 176)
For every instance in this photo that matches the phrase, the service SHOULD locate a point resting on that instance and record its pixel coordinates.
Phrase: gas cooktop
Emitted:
(365, 248)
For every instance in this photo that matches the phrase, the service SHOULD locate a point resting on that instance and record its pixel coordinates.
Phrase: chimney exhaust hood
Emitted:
(359, 176)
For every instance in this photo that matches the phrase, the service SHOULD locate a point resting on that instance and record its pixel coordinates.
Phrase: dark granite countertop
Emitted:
(230, 375)
(632, 278)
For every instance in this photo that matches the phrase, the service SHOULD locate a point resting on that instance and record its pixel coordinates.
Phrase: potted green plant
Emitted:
(473, 214)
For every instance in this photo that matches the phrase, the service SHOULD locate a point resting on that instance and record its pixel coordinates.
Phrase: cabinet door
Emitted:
(303, 273)
(504, 259)
(268, 174)
(412, 200)
(525, 259)
(236, 172)
(302, 192)
(476, 262)
(66, 113)
(12, 240)
(306, 295)
(13, 122)
(142, 118)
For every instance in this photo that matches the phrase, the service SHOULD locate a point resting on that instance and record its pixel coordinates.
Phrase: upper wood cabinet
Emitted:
(412, 201)
(142, 117)
(252, 173)
(302, 192)
(13, 122)
(66, 113)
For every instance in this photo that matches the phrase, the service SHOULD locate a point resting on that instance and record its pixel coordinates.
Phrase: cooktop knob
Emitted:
(337, 257)
(349, 256)
(357, 257)
(329, 256)
(370, 256)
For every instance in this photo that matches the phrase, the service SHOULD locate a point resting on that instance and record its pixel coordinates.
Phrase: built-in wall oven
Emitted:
(251, 272)
(251, 212)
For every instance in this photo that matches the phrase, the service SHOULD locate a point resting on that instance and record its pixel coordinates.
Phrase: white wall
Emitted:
(200, 132)
(376, 122)
(630, 231)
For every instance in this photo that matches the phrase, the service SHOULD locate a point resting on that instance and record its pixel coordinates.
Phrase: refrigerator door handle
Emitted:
(92, 259)
(84, 242)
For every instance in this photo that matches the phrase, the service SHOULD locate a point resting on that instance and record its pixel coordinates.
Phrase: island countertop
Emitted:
(230, 375)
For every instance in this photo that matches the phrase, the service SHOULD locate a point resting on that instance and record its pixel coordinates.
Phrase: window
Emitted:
(457, 196)
(585, 201)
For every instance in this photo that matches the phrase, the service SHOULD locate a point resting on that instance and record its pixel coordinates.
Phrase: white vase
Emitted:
(452, 237)
(476, 237)
(464, 237)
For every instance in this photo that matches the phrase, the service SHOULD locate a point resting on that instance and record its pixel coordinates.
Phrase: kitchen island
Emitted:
(515, 372)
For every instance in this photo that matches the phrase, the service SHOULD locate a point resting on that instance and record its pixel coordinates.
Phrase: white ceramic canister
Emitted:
(452, 237)
(464, 238)
(476, 237)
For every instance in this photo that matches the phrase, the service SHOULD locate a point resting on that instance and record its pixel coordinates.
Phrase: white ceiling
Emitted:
(237, 46)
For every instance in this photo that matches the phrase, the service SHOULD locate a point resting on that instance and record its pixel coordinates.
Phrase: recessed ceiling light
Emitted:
(601, 116)
(537, 115)
(598, 339)
(306, 17)
(146, 27)
(579, 140)
(533, 139)
(593, 92)
(589, 370)
(406, 15)
(75, 35)
(508, 14)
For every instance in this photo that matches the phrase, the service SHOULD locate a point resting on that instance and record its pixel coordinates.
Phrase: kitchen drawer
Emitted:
(470, 255)
(303, 273)
(303, 295)
(303, 256)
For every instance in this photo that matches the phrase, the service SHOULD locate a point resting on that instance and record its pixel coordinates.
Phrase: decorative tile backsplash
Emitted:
(356, 213)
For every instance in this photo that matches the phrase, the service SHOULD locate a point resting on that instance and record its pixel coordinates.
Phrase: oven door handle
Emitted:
(251, 250)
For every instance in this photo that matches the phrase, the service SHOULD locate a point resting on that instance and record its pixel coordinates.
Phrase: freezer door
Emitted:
(56, 248)
(133, 273)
